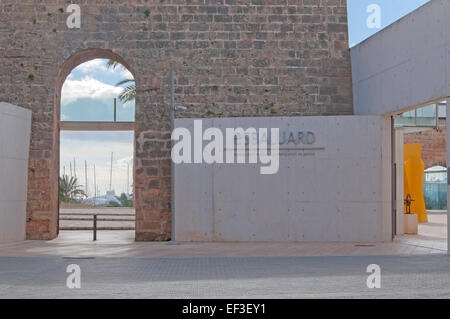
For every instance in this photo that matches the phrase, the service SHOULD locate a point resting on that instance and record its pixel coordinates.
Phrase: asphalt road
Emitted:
(274, 277)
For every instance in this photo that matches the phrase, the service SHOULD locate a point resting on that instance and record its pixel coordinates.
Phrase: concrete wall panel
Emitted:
(338, 193)
(15, 126)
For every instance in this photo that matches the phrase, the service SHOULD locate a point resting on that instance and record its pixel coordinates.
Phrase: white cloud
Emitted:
(92, 65)
(99, 65)
(87, 88)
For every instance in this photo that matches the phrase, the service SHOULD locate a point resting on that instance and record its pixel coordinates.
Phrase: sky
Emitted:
(88, 93)
(391, 11)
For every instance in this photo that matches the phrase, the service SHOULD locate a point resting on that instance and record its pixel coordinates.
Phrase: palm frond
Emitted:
(128, 94)
(69, 190)
(112, 64)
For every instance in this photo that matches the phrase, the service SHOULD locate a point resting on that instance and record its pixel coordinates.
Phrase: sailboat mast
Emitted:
(110, 172)
(95, 184)
(128, 178)
(85, 178)
(74, 169)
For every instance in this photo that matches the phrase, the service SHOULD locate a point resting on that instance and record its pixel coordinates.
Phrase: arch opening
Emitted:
(95, 106)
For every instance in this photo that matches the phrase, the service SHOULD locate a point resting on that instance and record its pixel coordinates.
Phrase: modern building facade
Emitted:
(230, 57)
(401, 68)
(264, 62)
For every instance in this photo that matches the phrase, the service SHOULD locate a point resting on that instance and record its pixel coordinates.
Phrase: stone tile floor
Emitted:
(413, 276)
(121, 244)
(117, 267)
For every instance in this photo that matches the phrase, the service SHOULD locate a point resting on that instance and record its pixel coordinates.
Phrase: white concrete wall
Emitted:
(399, 161)
(341, 193)
(15, 126)
(405, 65)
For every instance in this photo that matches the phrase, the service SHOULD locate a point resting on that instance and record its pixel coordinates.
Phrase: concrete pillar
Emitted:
(399, 161)
(387, 187)
(448, 171)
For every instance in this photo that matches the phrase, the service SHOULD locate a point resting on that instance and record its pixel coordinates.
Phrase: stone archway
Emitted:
(151, 197)
(85, 126)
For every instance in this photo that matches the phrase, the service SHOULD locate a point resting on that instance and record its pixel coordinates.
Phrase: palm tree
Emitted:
(129, 92)
(125, 201)
(69, 190)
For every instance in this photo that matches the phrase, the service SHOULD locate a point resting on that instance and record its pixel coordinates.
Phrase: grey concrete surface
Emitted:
(336, 189)
(15, 130)
(425, 276)
(404, 65)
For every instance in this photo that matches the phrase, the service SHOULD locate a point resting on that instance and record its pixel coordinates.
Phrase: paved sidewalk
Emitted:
(425, 276)
(116, 266)
(121, 244)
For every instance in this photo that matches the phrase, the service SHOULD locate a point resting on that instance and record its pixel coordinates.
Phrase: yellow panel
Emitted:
(414, 173)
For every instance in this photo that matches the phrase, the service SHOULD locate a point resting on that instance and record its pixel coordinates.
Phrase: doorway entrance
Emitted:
(420, 147)
(96, 164)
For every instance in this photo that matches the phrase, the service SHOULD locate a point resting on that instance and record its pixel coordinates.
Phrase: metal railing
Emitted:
(95, 227)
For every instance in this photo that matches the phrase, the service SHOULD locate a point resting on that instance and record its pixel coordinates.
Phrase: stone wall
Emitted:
(434, 145)
(231, 58)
